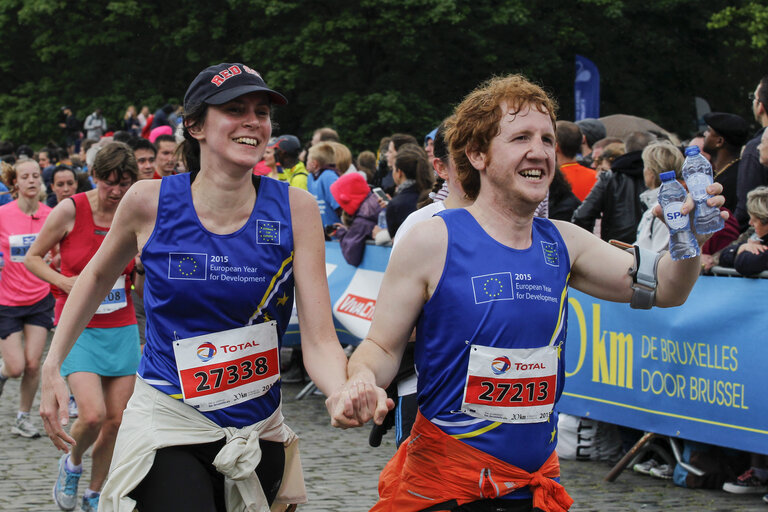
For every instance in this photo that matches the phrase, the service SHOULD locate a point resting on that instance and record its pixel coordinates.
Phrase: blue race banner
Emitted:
(586, 89)
(695, 372)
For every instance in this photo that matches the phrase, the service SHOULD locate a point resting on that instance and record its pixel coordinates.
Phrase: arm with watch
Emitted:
(630, 274)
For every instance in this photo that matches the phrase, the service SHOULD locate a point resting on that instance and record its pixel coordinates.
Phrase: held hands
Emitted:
(54, 398)
(357, 402)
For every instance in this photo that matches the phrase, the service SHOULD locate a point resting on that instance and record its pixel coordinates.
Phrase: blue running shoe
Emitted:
(90, 504)
(65, 488)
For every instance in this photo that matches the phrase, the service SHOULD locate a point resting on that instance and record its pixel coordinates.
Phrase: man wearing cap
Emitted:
(593, 130)
(752, 173)
(725, 135)
(287, 149)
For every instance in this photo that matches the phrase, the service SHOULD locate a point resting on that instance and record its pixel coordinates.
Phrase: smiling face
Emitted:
(145, 159)
(520, 162)
(235, 133)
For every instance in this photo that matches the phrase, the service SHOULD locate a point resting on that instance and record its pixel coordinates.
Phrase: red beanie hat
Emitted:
(350, 190)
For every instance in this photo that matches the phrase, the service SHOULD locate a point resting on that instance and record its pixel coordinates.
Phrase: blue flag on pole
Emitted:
(586, 89)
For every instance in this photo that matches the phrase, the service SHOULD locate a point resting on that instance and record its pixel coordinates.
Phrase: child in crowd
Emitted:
(360, 213)
(322, 174)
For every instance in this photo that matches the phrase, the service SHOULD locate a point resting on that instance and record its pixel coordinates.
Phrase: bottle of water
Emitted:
(697, 173)
(682, 242)
(383, 219)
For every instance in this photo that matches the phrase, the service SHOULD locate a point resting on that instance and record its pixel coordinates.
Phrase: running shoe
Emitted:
(65, 488)
(25, 428)
(90, 504)
(72, 407)
(663, 471)
(765, 498)
(2, 384)
(747, 483)
(644, 468)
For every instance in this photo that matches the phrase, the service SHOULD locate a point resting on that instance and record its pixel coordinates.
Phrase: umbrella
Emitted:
(621, 125)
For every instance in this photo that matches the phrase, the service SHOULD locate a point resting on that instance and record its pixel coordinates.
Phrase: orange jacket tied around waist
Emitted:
(431, 467)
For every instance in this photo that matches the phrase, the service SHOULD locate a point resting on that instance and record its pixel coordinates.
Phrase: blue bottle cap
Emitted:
(692, 150)
(667, 176)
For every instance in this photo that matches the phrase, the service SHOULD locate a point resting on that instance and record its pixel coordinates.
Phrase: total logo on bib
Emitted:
(511, 385)
(206, 351)
(225, 368)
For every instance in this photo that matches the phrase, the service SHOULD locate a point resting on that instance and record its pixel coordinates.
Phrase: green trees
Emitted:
(372, 67)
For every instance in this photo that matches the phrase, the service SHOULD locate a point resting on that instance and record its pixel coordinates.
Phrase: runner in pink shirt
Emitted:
(26, 304)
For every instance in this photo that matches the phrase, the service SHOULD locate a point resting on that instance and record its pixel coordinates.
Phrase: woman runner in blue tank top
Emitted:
(221, 251)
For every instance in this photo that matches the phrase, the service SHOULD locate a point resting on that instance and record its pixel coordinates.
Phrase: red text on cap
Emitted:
(225, 75)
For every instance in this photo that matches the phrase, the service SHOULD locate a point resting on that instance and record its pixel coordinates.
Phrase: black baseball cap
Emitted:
(733, 128)
(216, 85)
(289, 144)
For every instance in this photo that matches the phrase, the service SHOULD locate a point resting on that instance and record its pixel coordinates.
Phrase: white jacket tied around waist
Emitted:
(153, 420)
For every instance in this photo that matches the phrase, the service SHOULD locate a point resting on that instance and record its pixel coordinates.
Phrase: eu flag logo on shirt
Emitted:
(492, 287)
(268, 232)
(188, 265)
(550, 253)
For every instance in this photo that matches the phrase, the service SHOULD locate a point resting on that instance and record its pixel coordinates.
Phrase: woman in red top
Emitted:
(26, 305)
(102, 365)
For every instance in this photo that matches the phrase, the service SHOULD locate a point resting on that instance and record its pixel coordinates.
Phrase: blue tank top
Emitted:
(198, 282)
(494, 296)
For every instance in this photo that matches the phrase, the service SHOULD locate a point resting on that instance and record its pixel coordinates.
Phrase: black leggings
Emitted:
(184, 478)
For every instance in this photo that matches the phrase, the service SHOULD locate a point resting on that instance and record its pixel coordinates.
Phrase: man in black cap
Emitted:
(752, 173)
(723, 139)
(592, 131)
(287, 149)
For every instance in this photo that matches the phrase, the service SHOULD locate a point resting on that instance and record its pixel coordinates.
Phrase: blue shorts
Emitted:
(109, 352)
(14, 318)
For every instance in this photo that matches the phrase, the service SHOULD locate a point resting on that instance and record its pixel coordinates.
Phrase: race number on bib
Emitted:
(20, 244)
(117, 298)
(225, 368)
(511, 385)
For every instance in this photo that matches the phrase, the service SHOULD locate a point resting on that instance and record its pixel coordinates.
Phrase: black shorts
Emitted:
(14, 318)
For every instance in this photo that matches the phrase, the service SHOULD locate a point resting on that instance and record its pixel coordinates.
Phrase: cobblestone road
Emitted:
(341, 471)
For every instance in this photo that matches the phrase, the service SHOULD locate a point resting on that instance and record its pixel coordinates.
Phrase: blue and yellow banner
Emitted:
(695, 372)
